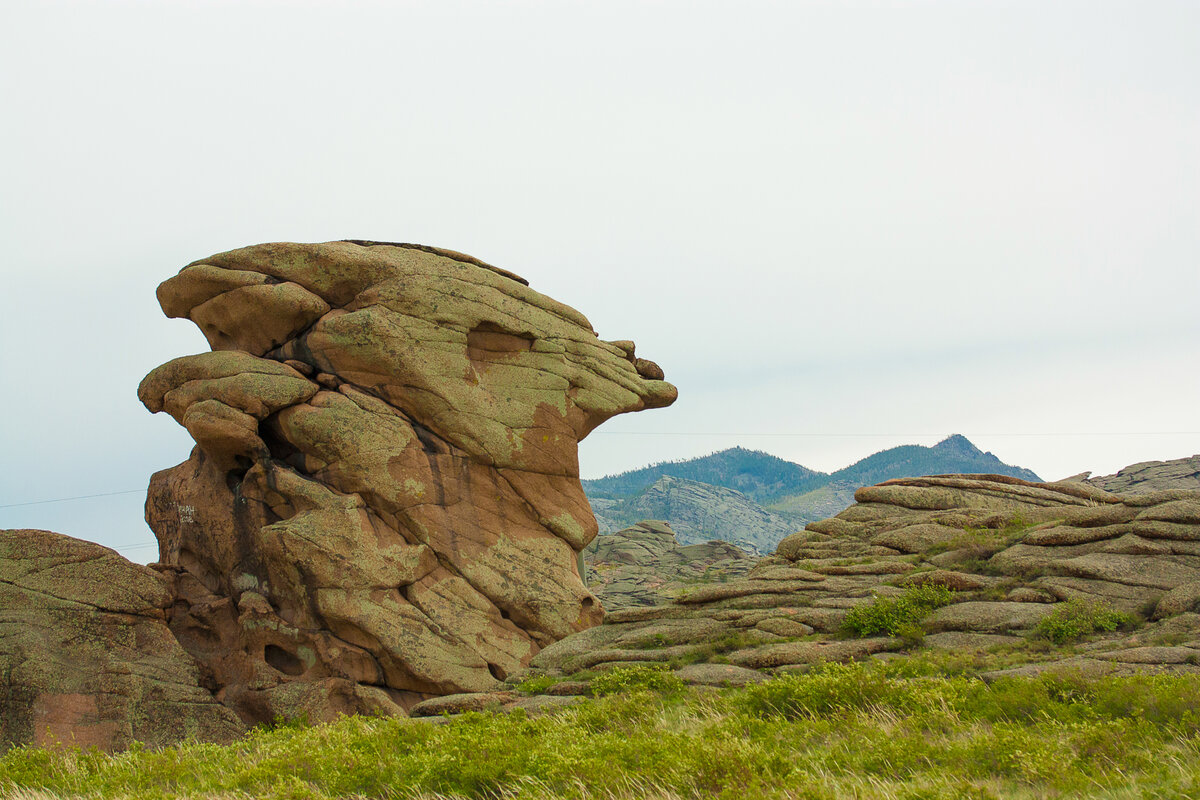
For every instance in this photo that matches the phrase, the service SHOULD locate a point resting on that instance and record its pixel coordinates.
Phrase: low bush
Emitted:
(897, 616)
(617, 680)
(1077, 618)
(537, 684)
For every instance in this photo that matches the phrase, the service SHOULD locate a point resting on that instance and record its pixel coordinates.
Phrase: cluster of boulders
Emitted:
(383, 505)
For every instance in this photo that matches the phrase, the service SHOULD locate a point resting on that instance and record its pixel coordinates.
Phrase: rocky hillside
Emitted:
(1038, 575)
(1153, 476)
(700, 512)
(644, 565)
(760, 476)
(754, 499)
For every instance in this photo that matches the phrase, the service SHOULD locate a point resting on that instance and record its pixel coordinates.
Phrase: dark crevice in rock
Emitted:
(282, 660)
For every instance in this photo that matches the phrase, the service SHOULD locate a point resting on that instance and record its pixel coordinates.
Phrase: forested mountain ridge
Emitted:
(754, 499)
(758, 475)
(953, 455)
(767, 479)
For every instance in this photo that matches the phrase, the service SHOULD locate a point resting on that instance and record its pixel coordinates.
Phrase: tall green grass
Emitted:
(898, 730)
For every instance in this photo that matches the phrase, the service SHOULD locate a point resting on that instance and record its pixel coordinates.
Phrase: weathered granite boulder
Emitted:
(85, 654)
(384, 502)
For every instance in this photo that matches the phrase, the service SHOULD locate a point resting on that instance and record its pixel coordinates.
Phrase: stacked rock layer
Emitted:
(384, 501)
(1011, 551)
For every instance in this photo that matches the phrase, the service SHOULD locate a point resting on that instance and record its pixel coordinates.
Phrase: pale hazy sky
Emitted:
(880, 222)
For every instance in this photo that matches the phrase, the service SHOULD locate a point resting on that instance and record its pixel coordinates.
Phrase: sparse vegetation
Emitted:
(538, 684)
(897, 616)
(912, 728)
(979, 544)
(658, 679)
(1078, 618)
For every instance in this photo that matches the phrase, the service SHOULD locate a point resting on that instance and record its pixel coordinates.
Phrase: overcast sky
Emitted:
(838, 226)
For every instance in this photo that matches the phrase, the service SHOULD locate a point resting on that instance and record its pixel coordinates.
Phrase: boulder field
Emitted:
(383, 504)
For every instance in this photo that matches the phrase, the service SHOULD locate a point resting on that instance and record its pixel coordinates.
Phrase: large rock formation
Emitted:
(85, 654)
(384, 502)
(1012, 551)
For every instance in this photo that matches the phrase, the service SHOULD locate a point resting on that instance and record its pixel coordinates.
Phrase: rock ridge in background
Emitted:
(754, 499)
(1013, 552)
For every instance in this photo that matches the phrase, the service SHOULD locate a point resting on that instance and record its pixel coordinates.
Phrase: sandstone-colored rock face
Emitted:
(85, 654)
(384, 501)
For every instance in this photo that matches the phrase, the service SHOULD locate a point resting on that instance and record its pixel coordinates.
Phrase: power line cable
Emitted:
(719, 433)
(850, 435)
(78, 497)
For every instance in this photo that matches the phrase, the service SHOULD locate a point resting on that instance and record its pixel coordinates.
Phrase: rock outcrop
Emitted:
(85, 654)
(644, 565)
(701, 512)
(1012, 552)
(384, 502)
(1153, 476)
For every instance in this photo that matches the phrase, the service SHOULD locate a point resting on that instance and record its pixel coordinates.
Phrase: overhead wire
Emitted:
(720, 433)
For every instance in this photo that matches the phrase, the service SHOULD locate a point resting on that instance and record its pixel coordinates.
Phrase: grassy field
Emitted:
(911, 728)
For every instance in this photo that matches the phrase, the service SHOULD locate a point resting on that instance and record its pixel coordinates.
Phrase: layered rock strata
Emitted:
(1012, 551)
(86, 658)
(384, 501)
(1152, 476)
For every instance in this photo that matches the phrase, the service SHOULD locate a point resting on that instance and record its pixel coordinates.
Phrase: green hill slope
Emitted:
(757, 475)
(950, 456)
(753, 498)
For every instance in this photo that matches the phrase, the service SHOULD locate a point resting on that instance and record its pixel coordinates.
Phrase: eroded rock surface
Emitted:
(1012, 551)
(384, 502)
(85, 654)
(644, 565)
(1153, 476)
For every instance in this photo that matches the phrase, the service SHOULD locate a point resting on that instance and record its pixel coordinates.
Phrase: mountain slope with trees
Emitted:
(753, 498)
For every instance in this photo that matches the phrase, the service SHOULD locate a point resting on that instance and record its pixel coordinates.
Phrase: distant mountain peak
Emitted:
(957, 444)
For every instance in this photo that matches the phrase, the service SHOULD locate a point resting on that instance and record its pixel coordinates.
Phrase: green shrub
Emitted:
(538, 684)
(1077, 618)
(637, 676)
(896, 615)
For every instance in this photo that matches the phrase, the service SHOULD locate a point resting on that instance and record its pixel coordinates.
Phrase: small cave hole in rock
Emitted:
(282, 660)
(487, 341)
(497, 673)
